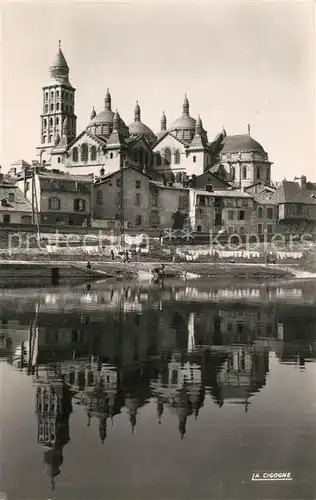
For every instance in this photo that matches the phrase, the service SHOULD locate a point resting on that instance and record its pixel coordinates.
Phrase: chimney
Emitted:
(209, 188)
(303, 182)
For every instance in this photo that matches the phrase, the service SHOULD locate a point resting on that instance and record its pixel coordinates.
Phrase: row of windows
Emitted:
(58, 107)
(270, 212)
(141, 157)
(64, 95)
(167, 157)
(84, 153)
(79, 205)
(25, 219)
(259, 174)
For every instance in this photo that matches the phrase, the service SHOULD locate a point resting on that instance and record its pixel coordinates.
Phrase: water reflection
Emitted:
(163, 348)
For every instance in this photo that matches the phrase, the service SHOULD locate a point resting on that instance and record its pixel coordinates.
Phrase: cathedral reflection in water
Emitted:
(173, 354)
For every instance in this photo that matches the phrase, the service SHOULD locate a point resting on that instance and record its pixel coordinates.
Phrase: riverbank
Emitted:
(184, 270)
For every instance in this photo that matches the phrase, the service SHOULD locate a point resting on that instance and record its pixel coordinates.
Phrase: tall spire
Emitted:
(93, 113)
(185, 106)
(107, 100)
(59, 70)
(137, 113)
(163, 122)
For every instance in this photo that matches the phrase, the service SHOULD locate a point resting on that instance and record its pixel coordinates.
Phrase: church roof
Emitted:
(60, 60)
(243, 142)
(105, 117)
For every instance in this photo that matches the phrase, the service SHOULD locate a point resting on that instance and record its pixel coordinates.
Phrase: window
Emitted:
(52, 95)
(79, 186)
(99, 197)
(241, 215)
(137, 199)
(50, 138)
(194, 159)
(46, 95)
(63, 94)
(230, 214)
(84, 153)
(52, 107)
(79, 205)
(57, 106)
(111, 156)
(51, 122)
(199, 229)
(53, 204)
(44, 123)
(200, 213)
(138, 220)
(6, 219)
(46, 108)
(269, 213)
(26, 219)
(231, 229)
(260, 228)
(260, 212)
(54, 185)
(118, 183)
(58, 159)
(75, 154)
(158, 160)
(269, 228)
(242, 230)
(177, 157)
(154, 217)
(244, 172)
(258, 172)
(167, 156)
(93, 153)
(154, 200)
(201, 200)
(43, 139)
(137, 184)
(57, 93)
(233, 173)
(67, 96)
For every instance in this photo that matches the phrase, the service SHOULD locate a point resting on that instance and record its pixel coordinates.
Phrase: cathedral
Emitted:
(175, 154)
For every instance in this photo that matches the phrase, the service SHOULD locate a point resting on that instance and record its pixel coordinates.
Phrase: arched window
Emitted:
(93, 153)
(244, 172)
(52, 95)
(158, 160)
(46, 108)
(57, 121)
(233, 173)
(67, 96)
(57, 106)
(46, 95)
(258, 172)
(75, 154)
(111, 156)
(84, 153)
(43, 139)
(52, 107)
(172, 178)
(63, 94)
(44, 123)
(51, 122)
(102, 171)
(57, 93)
(167, 156)
(177, 157)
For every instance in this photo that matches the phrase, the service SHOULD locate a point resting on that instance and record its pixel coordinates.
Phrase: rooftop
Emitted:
(240, 143)
(20, 204)
(225, 194)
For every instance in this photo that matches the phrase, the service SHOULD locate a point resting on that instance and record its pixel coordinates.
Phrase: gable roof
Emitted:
(210, 173)
(107, 177)
(167, 132)
(131, 141)
(98, 139)
(20, 203)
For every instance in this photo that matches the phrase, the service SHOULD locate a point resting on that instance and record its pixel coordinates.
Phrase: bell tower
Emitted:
(57, 105)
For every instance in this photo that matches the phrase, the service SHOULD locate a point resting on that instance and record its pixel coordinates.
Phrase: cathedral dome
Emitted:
(184, 122)
(102, 123)
(104, 118)
(136, 128)
(241, 143)
(184, 126)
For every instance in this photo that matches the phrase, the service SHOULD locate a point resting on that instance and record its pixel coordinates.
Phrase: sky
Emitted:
(238, 63)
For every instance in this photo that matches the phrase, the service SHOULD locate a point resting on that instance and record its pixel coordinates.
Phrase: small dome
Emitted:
(104, 118)
(240, 143)
(137, 128)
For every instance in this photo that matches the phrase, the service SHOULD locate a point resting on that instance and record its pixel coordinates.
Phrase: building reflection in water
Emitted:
(174, 355)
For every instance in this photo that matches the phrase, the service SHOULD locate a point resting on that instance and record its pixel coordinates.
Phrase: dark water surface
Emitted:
(143, 392)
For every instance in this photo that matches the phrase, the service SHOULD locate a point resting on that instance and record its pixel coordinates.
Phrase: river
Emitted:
(135, 391)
